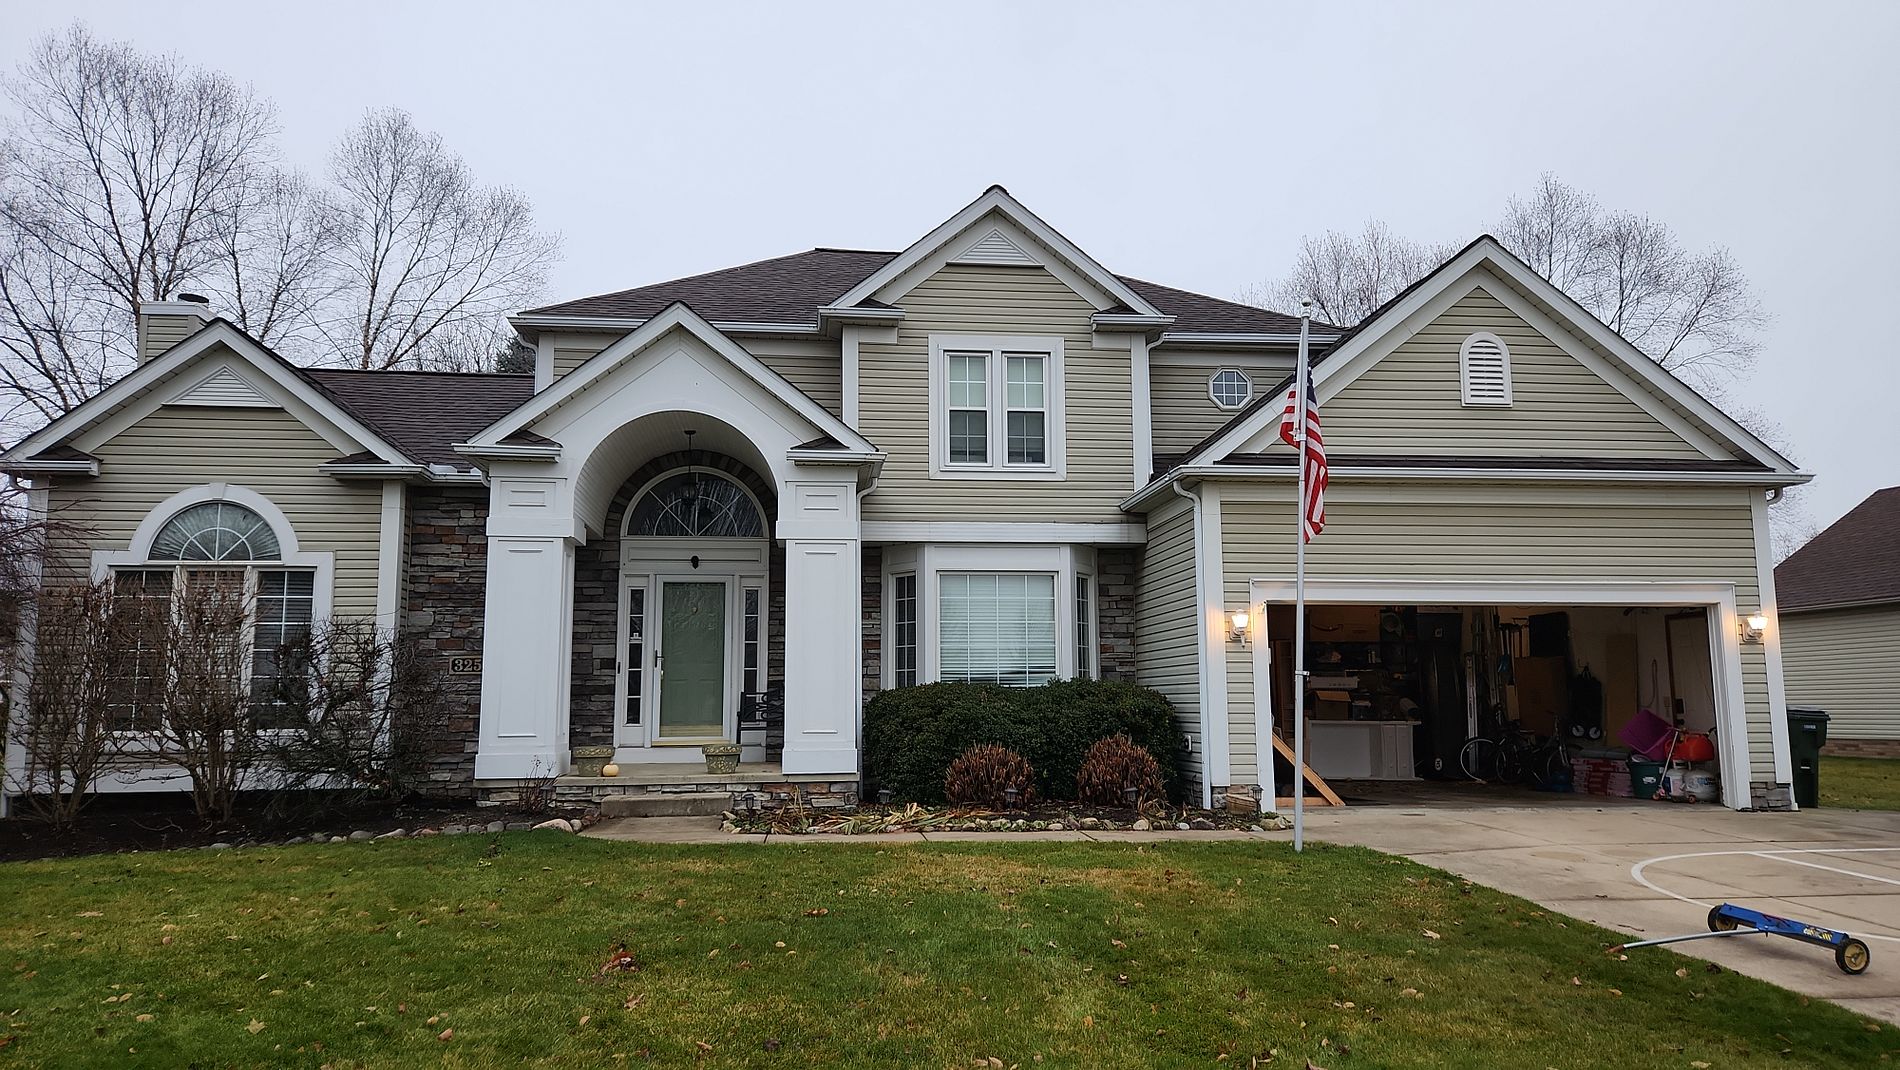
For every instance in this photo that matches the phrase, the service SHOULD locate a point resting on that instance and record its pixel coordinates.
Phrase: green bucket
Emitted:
(1645, 778)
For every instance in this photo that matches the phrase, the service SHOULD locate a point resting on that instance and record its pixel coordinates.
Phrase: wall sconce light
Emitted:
(1753, 626)
(1238, 634)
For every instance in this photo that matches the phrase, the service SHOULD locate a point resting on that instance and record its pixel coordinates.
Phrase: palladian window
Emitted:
(697, 505)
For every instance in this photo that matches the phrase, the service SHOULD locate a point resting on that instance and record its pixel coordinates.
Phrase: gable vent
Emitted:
(1484, 370)
(224, 389)
(995, 248)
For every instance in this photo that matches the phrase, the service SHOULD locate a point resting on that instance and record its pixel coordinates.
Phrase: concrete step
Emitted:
(670, 804)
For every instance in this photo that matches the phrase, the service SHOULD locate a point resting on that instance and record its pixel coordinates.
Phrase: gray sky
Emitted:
(1192, 144)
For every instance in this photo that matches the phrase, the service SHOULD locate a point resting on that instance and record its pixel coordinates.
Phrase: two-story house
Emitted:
(730, 506)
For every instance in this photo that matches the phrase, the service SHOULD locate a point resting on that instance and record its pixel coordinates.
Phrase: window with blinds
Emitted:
(1484, 370)
(997, 628)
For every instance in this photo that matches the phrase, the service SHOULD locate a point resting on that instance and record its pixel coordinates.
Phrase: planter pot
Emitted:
(721, 757)
(588, 761)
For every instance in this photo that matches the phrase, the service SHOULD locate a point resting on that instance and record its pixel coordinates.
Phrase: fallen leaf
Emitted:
(255, 1027)
(1699, 1065)
(584, 1019)
(445, 1035)
(634, 1000)
(1576, 981)
(817, 912)
(144, 1018)
(1684, 972)
(1088, 1021)
(1430, 935)
(1616, 991)
(702, 1045)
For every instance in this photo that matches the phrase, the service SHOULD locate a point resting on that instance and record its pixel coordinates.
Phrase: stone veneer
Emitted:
(596, 654)
(447, 574)
(770, 793)
(1116, 570)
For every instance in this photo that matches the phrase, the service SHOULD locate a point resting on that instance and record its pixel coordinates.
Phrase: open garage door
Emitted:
(1568, 682)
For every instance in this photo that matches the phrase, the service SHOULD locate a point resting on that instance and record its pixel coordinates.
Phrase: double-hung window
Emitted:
(997, 405)
(997, 628)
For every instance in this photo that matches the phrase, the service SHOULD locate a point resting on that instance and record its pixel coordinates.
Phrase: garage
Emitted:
(1527, 696)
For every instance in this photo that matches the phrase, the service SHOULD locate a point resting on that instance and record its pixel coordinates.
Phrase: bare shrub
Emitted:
(1114, 765)
(85, 643)
(206, 726)
(987, 774)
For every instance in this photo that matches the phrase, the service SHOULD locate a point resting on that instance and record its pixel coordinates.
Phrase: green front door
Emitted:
(692, 657)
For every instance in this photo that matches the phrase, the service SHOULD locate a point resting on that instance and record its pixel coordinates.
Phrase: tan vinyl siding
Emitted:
(1184, 412)
(1847, 662)
(1410, 401)
(159, 333)
(264, 450)
(894, 402)
(821, 378)
(571, 355)
(1167, 624)
(1485, 532)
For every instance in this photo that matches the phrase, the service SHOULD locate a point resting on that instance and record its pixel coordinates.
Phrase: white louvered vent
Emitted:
(995, 248)
(224, 389)
(1484, 370)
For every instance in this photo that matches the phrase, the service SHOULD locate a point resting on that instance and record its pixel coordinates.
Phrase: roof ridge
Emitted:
(420, 371)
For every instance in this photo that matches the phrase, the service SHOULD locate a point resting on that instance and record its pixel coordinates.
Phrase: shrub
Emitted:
(912, 734)
(1112, 766)
(986, 774)
(1071, 715)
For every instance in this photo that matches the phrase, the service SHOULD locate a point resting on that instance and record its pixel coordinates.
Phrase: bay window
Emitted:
(997, 628)
(1012, 615)
(996, 406)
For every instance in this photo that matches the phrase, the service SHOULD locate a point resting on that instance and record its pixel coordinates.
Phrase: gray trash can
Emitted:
(1807, 734)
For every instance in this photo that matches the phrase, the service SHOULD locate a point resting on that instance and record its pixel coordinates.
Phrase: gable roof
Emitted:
(426, 413)
(1856, 561)
(675, 316)
(1485, 251)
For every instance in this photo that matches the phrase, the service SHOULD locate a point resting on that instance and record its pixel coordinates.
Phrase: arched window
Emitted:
(216, 531)
(697, 505)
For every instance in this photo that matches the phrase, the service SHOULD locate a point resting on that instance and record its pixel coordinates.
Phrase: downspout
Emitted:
(1201, 653)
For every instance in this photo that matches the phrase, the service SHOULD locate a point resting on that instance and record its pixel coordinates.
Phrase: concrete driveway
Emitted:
(1654, 869)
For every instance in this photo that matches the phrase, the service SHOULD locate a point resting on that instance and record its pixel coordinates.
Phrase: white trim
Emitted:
(638, 341)
(13, 777)
(1771, 643)
(1263, 707)
(1210, 577)
(50, 468)
(223, 389)
(1731, 710)
(538, 322)
(138, 553)
(1275, 365)
(960, 531)
(107, 403)
(1203, 657)
(996, 199)
(1215, 398)
(1465, 394)
(848, 373)
(1142, 379)
(1241, 339)
(930, 561)
(998, 347)
(1486, 253)
(393, 527)
(543, 362)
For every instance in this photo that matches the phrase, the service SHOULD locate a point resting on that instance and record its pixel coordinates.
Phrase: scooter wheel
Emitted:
(1720, 922)
(1852, 956)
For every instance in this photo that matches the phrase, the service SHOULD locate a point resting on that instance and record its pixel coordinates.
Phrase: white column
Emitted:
(824, 651)
(525, 623)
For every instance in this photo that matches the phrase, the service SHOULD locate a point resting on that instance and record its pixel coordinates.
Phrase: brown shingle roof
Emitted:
(425, 414)
(791, 289)
(1856, 561)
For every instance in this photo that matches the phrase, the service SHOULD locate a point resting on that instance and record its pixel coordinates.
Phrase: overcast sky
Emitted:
(1191, 144)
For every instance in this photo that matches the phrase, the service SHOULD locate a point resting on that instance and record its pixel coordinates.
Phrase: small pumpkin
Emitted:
(610, 769)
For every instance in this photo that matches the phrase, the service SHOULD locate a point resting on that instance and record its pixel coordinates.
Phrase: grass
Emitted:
(1860, 783)
(1031, 954)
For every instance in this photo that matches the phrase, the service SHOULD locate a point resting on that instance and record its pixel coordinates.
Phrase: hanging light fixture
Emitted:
(691, 498)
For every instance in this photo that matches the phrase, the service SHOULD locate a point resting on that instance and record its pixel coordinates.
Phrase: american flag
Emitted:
(1314, 521)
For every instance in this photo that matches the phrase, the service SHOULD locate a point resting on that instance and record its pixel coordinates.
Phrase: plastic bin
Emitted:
(1645, 778)
(1807, 734)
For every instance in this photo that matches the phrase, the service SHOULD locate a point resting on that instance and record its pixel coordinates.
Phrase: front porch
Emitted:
(766, 783)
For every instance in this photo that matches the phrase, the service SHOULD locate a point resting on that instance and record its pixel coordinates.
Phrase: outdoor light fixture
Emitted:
(1239, 632)
(1131, 795)
(884, 796)
(1753, 626)
(750, 802)
(1010, 795)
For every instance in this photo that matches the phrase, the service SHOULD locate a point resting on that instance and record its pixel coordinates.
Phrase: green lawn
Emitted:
(1032, 954)
(1860, 783)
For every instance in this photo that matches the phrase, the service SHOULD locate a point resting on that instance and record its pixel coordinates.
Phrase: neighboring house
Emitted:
(1840, 607)
(730, 506)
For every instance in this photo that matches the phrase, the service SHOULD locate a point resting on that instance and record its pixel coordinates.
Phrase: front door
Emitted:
(691, 660)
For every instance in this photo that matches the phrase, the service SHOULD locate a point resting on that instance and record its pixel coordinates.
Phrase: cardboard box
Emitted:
(1343, 624)
(1331, 705)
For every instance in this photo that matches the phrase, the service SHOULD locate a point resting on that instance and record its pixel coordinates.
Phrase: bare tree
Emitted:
(1348, 276)
(272, 271)
(484, 345)
(361, 714)
(207, 726)
(60, 340)
(425, 250)
(66, 731)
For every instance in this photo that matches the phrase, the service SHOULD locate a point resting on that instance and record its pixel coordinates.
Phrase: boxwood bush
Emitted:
(912, 734)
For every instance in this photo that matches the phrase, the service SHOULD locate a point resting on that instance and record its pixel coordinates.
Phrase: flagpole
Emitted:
(1300, 674)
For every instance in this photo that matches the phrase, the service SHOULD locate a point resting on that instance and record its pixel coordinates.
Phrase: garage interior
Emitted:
(1396, 692)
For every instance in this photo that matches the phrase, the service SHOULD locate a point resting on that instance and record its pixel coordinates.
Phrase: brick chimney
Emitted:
(163, 324)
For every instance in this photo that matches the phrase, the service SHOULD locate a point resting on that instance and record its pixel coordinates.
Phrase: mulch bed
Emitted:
(165, 821)
(870, 818)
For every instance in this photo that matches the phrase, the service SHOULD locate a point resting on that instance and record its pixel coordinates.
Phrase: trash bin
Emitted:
(1807, 734)
(1645, 778)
